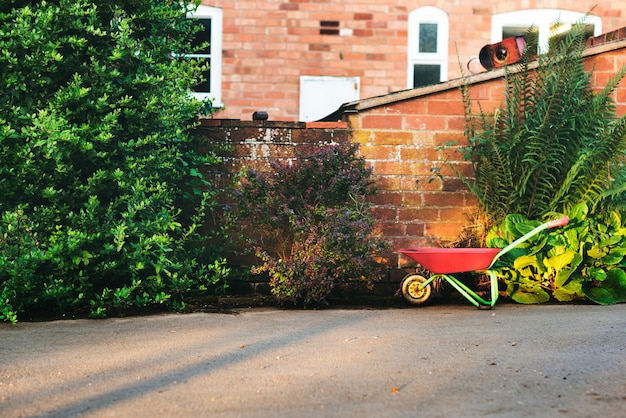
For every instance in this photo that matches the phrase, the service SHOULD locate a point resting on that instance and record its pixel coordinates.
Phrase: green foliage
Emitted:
(583, 259)
(310, 224)
(555, 143)
(555, 147)
(101, 193)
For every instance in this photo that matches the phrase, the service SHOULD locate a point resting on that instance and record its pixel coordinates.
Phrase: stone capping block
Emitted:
(214, 122)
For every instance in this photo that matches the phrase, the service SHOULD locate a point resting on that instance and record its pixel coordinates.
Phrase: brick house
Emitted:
(299, 60)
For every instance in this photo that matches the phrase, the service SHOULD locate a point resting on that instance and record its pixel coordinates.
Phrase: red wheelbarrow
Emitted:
(416, 289)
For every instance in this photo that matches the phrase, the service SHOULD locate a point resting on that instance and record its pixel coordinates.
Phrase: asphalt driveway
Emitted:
(447, 360)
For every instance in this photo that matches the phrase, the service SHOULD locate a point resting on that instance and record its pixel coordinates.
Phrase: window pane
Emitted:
(510, 31)
(203, 36)
(426, 74)
(559, 31)
(428, 37)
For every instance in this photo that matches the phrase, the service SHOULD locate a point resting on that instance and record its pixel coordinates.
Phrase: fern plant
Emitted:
(555, 143)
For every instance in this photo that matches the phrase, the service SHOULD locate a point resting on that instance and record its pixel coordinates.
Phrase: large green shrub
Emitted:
(101, 197)
(309, 223)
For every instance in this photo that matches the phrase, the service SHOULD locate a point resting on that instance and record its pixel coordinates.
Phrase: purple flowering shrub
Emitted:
(310, 224)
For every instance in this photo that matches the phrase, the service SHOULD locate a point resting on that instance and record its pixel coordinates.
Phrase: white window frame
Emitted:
(542, 20)
(215, 14)
(428, 14)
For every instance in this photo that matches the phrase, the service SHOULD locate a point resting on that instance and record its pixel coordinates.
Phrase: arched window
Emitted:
(211, 19)
(427, 46)
(545, 22)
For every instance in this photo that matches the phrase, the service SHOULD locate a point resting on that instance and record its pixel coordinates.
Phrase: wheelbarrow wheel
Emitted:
(411, 289)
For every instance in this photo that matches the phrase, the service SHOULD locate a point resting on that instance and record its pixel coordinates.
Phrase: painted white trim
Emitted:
(216, 16)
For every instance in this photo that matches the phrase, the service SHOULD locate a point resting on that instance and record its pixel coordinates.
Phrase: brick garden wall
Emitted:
(254, 144)
(402, 141)
(400, 135)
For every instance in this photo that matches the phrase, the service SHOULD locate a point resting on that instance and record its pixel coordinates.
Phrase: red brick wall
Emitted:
(255, 144)
(269, 44)
(604, 66)
(400, 137)
(401, 141)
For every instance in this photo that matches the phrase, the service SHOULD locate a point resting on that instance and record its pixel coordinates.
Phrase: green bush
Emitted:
(101, 193)
(309, 223)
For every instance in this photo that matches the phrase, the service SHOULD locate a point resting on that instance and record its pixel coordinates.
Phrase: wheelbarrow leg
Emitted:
(470, 295)
(494, 286)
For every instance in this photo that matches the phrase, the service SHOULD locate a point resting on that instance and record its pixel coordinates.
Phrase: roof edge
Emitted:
(408, 94)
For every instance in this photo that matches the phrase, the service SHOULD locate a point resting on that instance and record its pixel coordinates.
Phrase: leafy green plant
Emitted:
(583, 260)
(310, 224)
(555, 143)
(102, 197)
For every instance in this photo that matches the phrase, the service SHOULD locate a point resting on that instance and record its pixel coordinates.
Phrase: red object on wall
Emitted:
(509, 51)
